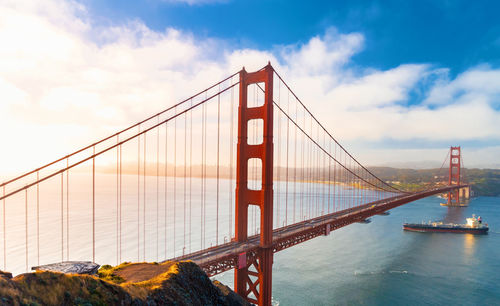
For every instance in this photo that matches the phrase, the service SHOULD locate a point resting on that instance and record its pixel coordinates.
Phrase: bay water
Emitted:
(380, 264)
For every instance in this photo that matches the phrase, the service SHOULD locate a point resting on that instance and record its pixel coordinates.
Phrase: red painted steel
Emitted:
(244, 284)
(454, 176)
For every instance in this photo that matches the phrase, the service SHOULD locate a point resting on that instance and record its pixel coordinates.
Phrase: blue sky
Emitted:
(397, 82)
(455, 34)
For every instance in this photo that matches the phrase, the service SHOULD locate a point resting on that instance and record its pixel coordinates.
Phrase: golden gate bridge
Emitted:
(226, 178)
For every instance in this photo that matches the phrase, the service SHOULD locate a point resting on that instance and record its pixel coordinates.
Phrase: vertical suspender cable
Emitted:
(26, 224)
(302, 178)
(175, 174)
(335, 199)
(117, 201)
(352, 191)
(93, 205)
(217, 196)
(157, 186)
(319, 187)
(120, 202)
(349, 181)
(305, 176)
(62, 216)
(231, 164)
(166, 185)
(311, 175)
(278, 212)
(204, 172)
(295, 166)
(316, 175)
(354, 186)
(37, 219)
(190, 171)
(185, 179)
(361, 189)
(287, 142)
(4, 235)
(144, 204)
(67, 209)
(342, 184)
(347, 178)
(138, 190)
(201, 179)
(329, 173)
(323, 178)
(314, 186)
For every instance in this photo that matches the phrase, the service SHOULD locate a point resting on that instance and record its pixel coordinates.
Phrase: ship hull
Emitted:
(440, 229)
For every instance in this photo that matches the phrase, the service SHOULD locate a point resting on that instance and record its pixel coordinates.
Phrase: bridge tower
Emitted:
(454, 176)
(253, 274)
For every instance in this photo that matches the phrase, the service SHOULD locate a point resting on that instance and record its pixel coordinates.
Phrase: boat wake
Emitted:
(361, 273)
(399, 272)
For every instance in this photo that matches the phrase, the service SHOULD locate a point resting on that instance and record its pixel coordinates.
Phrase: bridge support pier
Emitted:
(255, 276)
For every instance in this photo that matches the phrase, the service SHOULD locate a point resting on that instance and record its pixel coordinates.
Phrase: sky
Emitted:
(396, 82)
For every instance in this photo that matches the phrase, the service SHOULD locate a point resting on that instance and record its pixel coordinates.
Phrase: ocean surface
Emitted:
(380, 264)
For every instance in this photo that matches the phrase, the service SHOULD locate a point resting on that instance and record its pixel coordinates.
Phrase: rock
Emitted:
(6, 275)
(77, 267)
(232, 297)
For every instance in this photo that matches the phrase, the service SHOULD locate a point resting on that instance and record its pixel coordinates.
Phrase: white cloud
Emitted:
(322, 54)
(58, 69)
(381, 88)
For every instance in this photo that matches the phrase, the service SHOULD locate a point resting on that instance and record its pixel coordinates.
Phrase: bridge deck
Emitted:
(225, 256)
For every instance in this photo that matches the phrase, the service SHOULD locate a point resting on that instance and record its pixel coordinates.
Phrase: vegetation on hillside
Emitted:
(484, 182)
(181, 283)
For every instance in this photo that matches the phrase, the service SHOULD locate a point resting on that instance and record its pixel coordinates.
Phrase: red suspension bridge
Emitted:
(225, 178)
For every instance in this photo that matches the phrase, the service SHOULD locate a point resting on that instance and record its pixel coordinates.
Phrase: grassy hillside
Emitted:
(169, 283)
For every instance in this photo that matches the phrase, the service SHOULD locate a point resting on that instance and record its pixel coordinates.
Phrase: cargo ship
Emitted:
(474, 226)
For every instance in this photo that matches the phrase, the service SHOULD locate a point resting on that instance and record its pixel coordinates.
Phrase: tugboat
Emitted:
(474, 226)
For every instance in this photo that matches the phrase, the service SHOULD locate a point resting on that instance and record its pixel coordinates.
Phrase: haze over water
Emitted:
(158, 230)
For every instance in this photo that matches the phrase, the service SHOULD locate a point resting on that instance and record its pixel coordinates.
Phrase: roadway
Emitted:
(223, 257)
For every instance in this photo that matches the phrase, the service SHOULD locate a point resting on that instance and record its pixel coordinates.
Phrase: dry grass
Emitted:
(125, 284)
(141, 289)
(49, 288)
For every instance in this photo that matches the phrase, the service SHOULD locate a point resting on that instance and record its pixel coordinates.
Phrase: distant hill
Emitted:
(484, 182)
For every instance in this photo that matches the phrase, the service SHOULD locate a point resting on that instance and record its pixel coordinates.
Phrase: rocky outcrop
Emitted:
(182, 283)
(78, 267)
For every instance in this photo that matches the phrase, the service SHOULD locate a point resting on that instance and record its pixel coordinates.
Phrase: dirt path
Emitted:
(142, 271)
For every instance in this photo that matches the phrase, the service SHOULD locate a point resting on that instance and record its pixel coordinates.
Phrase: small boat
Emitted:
(365, 221)
(385, 213)
(473, 226)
